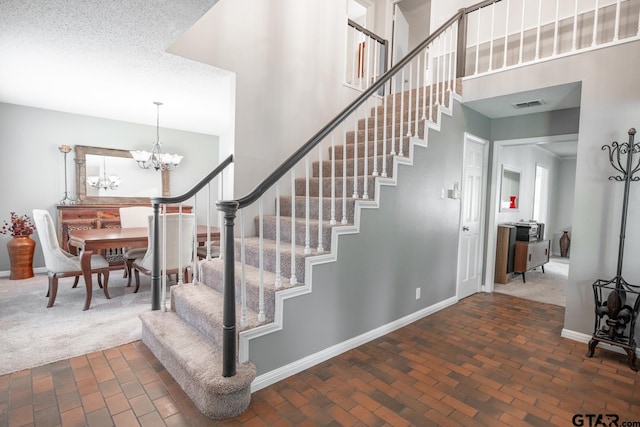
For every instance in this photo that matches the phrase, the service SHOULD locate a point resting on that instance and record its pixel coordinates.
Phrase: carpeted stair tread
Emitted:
(339, 165)
(301, 206)
(195, 363)
(269, 257)
(374, 134)
(201, 306)
(314, 190)
(213, 277)
(351, 148)
(269, 227)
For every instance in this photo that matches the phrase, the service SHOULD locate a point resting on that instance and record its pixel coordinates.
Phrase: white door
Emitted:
(471, 243)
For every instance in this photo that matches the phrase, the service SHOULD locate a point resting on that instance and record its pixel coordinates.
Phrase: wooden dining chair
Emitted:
(62, 264)
(180, 234)
(133, 216)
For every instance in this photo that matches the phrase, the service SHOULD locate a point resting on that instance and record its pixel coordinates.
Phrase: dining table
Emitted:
(99, 239)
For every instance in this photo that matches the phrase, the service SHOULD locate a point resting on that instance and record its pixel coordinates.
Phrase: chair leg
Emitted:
(85, 264)
(53, 289)
(105, 272)
(137, 280)
(128, 266)
(99, 279)
(75, 282)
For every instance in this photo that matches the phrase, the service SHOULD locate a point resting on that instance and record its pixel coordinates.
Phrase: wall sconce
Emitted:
(455, 192)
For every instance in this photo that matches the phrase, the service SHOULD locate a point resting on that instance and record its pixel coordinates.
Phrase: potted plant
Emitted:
(21, 247)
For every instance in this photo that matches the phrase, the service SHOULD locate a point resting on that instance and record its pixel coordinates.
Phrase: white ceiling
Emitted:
(107, 59)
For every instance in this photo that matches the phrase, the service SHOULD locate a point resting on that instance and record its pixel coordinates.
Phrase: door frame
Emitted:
(494, 199)
(483, 208)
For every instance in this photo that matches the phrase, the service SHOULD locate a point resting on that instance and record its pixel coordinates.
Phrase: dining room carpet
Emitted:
(34, 335)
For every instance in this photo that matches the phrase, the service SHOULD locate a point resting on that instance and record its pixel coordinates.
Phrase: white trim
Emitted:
(585, 338)
(279, 374)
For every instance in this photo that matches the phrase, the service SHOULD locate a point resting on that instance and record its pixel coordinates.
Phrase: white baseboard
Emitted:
(585, 338)
(279, 374)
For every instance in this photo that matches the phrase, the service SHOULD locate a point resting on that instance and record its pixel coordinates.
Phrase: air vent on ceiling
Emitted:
(527, 104)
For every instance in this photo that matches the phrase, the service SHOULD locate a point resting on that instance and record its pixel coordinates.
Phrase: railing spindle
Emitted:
(278, 283)
(320, 197)
(555, 29)
(180, 269)
(409, 100)
(616, 31)
(307, 244)
(417, 104)
(401, 133)
(595, 24)
(365, 166)
(332, 219)
(425, 83)
(164, 258)
(292, 278)
(355, 156)
(575, 27)
(375, 139)
(261, 316)
(452, 73)
(537, 55)
(455, 60)
(432, 65)
(244, 321)
(506, 35)
(393, 116)
(384, 130)
(437, 83)
(344, 176)
(493, 19)
(477, 41)
(524, 2)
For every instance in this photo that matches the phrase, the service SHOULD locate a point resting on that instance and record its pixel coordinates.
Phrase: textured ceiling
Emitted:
(107, 59)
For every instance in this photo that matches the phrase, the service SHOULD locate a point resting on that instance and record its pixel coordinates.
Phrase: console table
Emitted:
(529, 255)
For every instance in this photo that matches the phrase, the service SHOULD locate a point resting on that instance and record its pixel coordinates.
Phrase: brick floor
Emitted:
(491, 360)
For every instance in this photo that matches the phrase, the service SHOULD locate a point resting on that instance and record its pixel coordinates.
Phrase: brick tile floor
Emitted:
(490, 360)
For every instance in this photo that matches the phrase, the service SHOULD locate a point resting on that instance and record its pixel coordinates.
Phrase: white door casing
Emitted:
(472, 216)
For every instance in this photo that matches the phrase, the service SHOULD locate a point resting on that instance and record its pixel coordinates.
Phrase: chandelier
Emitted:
(104, 182)
(156, 158)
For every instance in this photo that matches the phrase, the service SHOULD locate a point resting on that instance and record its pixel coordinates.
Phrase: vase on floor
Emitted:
(21, 249)
(565, 243)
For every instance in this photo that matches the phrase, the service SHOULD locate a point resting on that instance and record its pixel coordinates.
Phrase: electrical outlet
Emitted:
(417, 293)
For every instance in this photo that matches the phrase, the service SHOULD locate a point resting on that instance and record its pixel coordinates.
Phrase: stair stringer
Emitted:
(281, 296)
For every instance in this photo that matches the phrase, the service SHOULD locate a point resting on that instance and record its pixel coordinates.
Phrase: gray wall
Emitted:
(410, 241)
(610, 101)
(32, 168)
(563, 205)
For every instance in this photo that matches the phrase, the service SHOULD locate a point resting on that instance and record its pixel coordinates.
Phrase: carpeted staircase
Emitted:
(187, 339)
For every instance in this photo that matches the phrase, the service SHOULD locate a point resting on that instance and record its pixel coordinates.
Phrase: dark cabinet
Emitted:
(529, 255)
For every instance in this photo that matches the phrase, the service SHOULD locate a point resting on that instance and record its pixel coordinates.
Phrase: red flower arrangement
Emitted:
(19, 226)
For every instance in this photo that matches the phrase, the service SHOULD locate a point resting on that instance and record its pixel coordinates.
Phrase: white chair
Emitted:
(130, 217)
(62, 264)
(179, 247)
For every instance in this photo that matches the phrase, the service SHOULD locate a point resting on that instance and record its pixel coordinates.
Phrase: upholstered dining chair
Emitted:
(62, 264)
(130, 217)
(179, 246)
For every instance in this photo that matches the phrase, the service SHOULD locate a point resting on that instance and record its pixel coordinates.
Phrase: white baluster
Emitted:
(401, 133)
(292, 278)
(438, 53)
(375, 138)
(425, 83)
(537, 56)
(208, 241)
(278, 271)
(365, 166)
(432, 65)
(555, 29)
(320, 174)
(493, 19)
(261, 315)
(164, 258)
(477, 41)
(522, 32)
(180, 269)
(452, 71)
(409, 100)
(575, 27)
(455, 60)
(417, 104)
(307, 247)
(595, 24)
(220, 215)
(616, 32)
(194, 243)
(344, 175)
(355, 157)
(384, 129)
(506, 35)
(368, 62)
(393, 116)
(243, 277)
(332, 219)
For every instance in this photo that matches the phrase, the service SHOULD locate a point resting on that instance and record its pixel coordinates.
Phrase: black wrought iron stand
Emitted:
(616, 313)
